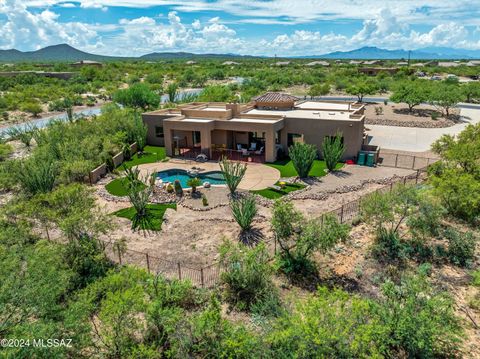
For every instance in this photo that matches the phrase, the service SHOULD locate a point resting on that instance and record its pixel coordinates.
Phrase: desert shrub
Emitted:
(139, 196)
(36, 176)
(5, 151)
(233, 173)
(302, 155)
(75, 171)
(244, 210)
(421, 320)
(329, 324)
(378, 110)
(207, 334)
(87, 260)
(247, 276)
(31, 107)
(299, 238)
(461, 247)
(332, 150)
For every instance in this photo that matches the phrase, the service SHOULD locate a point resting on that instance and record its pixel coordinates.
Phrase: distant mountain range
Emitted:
(64, 52)
(428, 53)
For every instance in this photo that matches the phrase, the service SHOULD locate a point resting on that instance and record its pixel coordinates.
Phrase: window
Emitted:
(294, 138)
(159, 131)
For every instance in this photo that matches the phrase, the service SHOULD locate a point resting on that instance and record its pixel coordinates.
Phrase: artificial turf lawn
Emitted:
(272, 193)
(287, 170)
(155, 210)
(118, 187)
(150, 154)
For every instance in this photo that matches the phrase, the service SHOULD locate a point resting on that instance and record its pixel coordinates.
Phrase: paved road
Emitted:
(413, 139)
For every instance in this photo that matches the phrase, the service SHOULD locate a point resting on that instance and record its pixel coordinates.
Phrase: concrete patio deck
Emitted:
(258, 176)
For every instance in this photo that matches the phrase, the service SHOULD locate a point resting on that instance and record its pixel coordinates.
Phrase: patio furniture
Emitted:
(245, 152)
(253, 146)
(260, 152)
(239, 147)
(201, 158)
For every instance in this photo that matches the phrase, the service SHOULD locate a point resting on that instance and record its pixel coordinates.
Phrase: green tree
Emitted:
(362, 87)
(411, 93)
(216, 93)
(456, 177)
(445, 96)
(471, 91)
(302, 155)
(332, 151)
(137, 96)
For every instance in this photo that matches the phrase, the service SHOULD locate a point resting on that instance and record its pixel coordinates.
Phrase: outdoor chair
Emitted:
(253, 146)
(245, 152)
(260, 152)
(239, 147)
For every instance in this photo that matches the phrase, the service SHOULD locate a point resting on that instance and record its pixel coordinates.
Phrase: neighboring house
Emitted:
(373, 62)
(282, 63)
(87, 63)
(402, 63)
(355, 62)
(374, 71)
(264, 127)
(418, 64)
(444, 63)
(230, 63)
(191, 62)
(318, 63)
(473, 63)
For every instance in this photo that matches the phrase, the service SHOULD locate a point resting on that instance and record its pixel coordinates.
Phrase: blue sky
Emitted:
(259, 27)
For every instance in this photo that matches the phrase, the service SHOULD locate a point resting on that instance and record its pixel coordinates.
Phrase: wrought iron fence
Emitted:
(209, 276)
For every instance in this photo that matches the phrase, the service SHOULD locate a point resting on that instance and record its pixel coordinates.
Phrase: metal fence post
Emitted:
(119, 255)
(179, 271)
(418, 175)
(201, 278)
(396, 160)
(341, 214)
(413, 164)
(148, 262)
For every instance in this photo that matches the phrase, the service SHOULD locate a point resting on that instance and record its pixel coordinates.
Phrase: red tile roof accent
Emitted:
(276, 97)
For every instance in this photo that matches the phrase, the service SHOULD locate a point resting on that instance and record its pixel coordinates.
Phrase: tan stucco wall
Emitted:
(314, 131)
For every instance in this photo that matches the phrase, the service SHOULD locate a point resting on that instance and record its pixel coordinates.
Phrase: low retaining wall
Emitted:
(99, 172)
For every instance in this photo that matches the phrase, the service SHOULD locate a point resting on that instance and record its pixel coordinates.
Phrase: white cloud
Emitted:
(27, 30)
(24, 29)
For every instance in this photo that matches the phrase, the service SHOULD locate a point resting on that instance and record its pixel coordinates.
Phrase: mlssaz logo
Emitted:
(52, 343)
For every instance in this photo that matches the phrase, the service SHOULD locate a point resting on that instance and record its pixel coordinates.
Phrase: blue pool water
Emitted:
(215, 177)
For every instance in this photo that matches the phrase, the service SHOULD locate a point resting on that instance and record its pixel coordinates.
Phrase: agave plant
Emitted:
(139, 196)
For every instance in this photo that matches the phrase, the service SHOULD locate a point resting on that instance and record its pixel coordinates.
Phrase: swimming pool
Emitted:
(214, 177)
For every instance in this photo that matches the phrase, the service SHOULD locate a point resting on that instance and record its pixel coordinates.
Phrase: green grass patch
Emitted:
(151, 154)
(287, 170)
(118, 187)
(156, 212)
(272, 193)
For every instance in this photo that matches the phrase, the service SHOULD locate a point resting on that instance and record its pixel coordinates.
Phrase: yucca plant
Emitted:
(244, 211)
(333, 150)
(233, 173)
(302, 155)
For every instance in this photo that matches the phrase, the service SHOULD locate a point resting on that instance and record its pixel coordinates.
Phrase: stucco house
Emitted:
(259, 131)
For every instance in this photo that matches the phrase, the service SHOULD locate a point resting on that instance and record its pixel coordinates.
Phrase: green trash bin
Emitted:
(371, 159)
(361, 159)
